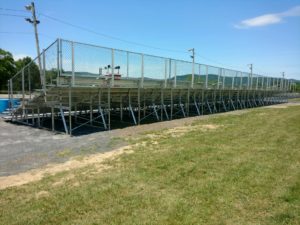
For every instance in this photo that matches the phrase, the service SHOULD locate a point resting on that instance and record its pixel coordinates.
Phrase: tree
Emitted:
(20, 63)
(31, 73)
(7, 68)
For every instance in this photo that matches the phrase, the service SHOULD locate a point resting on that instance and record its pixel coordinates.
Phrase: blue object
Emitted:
(5, 103)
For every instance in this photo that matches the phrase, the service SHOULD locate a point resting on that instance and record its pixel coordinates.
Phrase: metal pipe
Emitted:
(241, 80)
(166, 71)
(232, 83)
(219, 74)
(206, 78)
(44, 72)
(112, 67)
(73, 66)
(175, 75)
(52, 119)
(70, 110)
(23, 92)
(142, 72)
(127, 73)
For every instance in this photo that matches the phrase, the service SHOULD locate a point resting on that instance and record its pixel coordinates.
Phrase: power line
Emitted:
(90, 31)
(13, 10)
(109, 36)
(29, 33)
(126, 41)
(14, 15)
(260, 70)
(116, 38)
(113, 37)
(13, 32)
(219, 63)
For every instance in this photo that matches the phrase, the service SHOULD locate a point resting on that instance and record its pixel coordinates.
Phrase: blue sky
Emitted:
(229, 34)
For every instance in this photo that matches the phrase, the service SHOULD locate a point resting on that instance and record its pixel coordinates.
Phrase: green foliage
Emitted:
(7, 68)
(51, 76)
(20, 63)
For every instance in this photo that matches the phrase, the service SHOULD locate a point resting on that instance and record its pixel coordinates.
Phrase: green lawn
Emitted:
(228, 169)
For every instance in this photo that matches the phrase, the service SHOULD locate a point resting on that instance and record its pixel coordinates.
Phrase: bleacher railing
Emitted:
(67, 63)
(90, 61)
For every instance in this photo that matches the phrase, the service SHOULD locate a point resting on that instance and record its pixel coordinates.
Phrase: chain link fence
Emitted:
(67, 63)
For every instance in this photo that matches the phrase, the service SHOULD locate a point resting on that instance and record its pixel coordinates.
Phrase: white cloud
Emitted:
(291, 12)
(268, 19)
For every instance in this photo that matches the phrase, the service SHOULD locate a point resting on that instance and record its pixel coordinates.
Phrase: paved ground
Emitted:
(23, 148)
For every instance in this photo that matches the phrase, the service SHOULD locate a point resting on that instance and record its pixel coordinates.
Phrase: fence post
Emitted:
(248, 81)
(23, 85)
(193, 73)
(199, 75)
(166, 72)
(73, 64)
(44, 72)
(170, 69)
(223, 80)
(70, 110)
(29, 81)
(232, 84)
(175, 80)
(127, 65)
(286, 83)
(12, 96)
(220, 71)
(206, 77)
(60, 57)
(142, 72)
(23, 93)
(251, 79)
(112, 67)
(57, 58)
(8, 91)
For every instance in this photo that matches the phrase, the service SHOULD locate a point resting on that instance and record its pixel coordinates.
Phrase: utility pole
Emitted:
(35, 22)
(193, 69)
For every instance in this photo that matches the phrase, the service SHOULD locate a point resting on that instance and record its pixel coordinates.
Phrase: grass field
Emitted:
(241, 168)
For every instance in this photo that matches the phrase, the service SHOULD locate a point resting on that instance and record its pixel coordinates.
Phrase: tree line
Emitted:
(9, 67)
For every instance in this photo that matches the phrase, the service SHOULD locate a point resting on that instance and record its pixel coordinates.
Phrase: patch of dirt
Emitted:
(278, 106)
(236, 112)
(283, 106)
(63, 180)
(52, 169)
(180, 131)
(262, 114)
(42, 194)
(210, 126)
